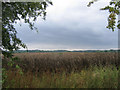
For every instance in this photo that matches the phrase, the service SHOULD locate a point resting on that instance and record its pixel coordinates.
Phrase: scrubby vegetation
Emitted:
(62, 70)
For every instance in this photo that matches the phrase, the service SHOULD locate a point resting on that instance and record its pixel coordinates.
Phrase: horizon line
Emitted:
(72, 49)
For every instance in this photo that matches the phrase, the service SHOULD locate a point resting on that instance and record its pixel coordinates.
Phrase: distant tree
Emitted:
(13, 11)
(113, 8)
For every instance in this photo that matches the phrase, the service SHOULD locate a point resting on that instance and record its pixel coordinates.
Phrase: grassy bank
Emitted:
(94, 77)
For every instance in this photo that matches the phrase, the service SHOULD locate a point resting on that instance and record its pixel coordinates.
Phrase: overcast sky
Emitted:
(71, 25)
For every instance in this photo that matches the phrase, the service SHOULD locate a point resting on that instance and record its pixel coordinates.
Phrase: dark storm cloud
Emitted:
(73, 38)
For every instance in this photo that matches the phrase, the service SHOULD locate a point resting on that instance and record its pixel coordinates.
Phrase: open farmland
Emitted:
(48, 69)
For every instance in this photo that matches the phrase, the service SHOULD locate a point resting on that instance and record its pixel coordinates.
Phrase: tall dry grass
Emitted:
(66, 61)
(65, 70)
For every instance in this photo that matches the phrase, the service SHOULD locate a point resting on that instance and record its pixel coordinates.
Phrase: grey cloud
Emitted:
(80, 38)
(76, 28)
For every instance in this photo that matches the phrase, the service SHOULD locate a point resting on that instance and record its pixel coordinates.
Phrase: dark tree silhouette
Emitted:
(12, 11)
(113, 9)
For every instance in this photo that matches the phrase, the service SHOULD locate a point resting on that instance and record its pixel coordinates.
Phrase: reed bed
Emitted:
(67, 61)
(63, 70)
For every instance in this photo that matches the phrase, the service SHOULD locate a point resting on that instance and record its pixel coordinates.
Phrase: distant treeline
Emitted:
(22, 51)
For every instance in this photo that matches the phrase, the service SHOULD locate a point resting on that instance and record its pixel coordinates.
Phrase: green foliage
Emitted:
(13, 11)
(91, 2)
(4, 75)
(113, 9)
(106, 77)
